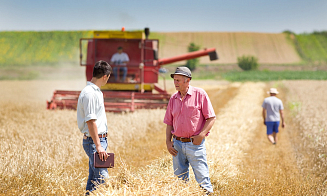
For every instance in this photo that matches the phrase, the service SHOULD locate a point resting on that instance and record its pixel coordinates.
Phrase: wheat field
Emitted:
(308, 105)
(42, 154)
(270, 48)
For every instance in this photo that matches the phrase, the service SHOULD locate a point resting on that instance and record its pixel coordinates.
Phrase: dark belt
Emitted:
(100, 135)
(183, 139)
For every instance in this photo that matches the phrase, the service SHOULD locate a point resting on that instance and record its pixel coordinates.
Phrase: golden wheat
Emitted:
(307, 101)
(229, 138)
(41, 150)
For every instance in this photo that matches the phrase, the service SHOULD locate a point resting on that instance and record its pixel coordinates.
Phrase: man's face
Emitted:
(120, 51)
(181, 82)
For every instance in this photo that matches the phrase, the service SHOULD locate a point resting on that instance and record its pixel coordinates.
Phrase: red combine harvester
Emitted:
(137, 91)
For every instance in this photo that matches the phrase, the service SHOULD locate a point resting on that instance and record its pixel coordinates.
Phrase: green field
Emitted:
(274, 75)
(55, 54)
(40, 48)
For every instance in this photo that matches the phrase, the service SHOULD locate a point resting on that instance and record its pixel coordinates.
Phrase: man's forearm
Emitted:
(282, 115)
(93, 130)
(169, 128)
(207, 126)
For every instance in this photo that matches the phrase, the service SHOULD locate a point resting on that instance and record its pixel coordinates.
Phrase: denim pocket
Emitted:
(199, 144)
(196, 144)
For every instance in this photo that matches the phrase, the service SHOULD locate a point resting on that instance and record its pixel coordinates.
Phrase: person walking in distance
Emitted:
(272, 112)
(92, 122)
(189, 118)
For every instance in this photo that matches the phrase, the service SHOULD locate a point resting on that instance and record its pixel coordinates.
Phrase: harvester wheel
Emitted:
(51, 105)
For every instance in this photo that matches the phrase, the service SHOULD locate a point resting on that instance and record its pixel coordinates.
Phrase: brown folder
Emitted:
(109, 163)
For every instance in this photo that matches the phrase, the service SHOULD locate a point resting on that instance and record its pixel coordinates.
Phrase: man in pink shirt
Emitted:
(189, 118)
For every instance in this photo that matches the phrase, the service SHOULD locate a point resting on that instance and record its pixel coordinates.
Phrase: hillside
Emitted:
(269, 48)
(311, 47)
(39, 48)
(61, 47)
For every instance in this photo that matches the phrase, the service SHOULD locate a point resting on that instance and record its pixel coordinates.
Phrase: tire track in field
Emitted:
(229, 138)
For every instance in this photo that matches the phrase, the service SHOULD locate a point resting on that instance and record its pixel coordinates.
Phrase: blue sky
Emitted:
(165, 15)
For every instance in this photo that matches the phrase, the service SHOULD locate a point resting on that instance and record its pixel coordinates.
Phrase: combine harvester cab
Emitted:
(140, 90)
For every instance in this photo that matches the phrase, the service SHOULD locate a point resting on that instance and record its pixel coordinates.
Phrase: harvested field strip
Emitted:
(232, 133)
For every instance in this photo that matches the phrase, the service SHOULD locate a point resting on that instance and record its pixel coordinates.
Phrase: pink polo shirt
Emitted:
(188, 116)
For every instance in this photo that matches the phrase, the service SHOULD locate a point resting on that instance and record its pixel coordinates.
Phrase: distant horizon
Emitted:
(160, 31)
(298, 16)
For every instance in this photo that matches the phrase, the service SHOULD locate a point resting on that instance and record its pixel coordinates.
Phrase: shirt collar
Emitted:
(189, 91)
(95, 87)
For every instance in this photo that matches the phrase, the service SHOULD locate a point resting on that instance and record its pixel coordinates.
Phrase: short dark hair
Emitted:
(119, 48)
(101, 68)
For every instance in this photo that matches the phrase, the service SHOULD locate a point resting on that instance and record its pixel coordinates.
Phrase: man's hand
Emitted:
(283, 124)
(171, 149)
(197, 140)
(102, 153)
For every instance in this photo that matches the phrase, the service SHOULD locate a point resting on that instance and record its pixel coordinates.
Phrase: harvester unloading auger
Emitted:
(137, 91)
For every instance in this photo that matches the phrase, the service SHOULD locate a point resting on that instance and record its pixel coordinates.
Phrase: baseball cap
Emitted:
(182, 71)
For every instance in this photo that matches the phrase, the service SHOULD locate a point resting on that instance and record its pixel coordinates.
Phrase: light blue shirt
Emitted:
(118, 59)
(273, 105)
(91, 106)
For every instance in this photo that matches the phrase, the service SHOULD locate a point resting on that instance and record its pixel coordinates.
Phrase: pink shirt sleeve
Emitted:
(168, 116)
(207, 109)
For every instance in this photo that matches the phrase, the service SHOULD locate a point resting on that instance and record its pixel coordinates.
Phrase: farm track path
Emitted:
(268, 169)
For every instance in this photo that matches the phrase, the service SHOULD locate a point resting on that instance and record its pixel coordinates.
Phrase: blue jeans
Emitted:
(95, 174)
(123, 69)
(196, 155)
